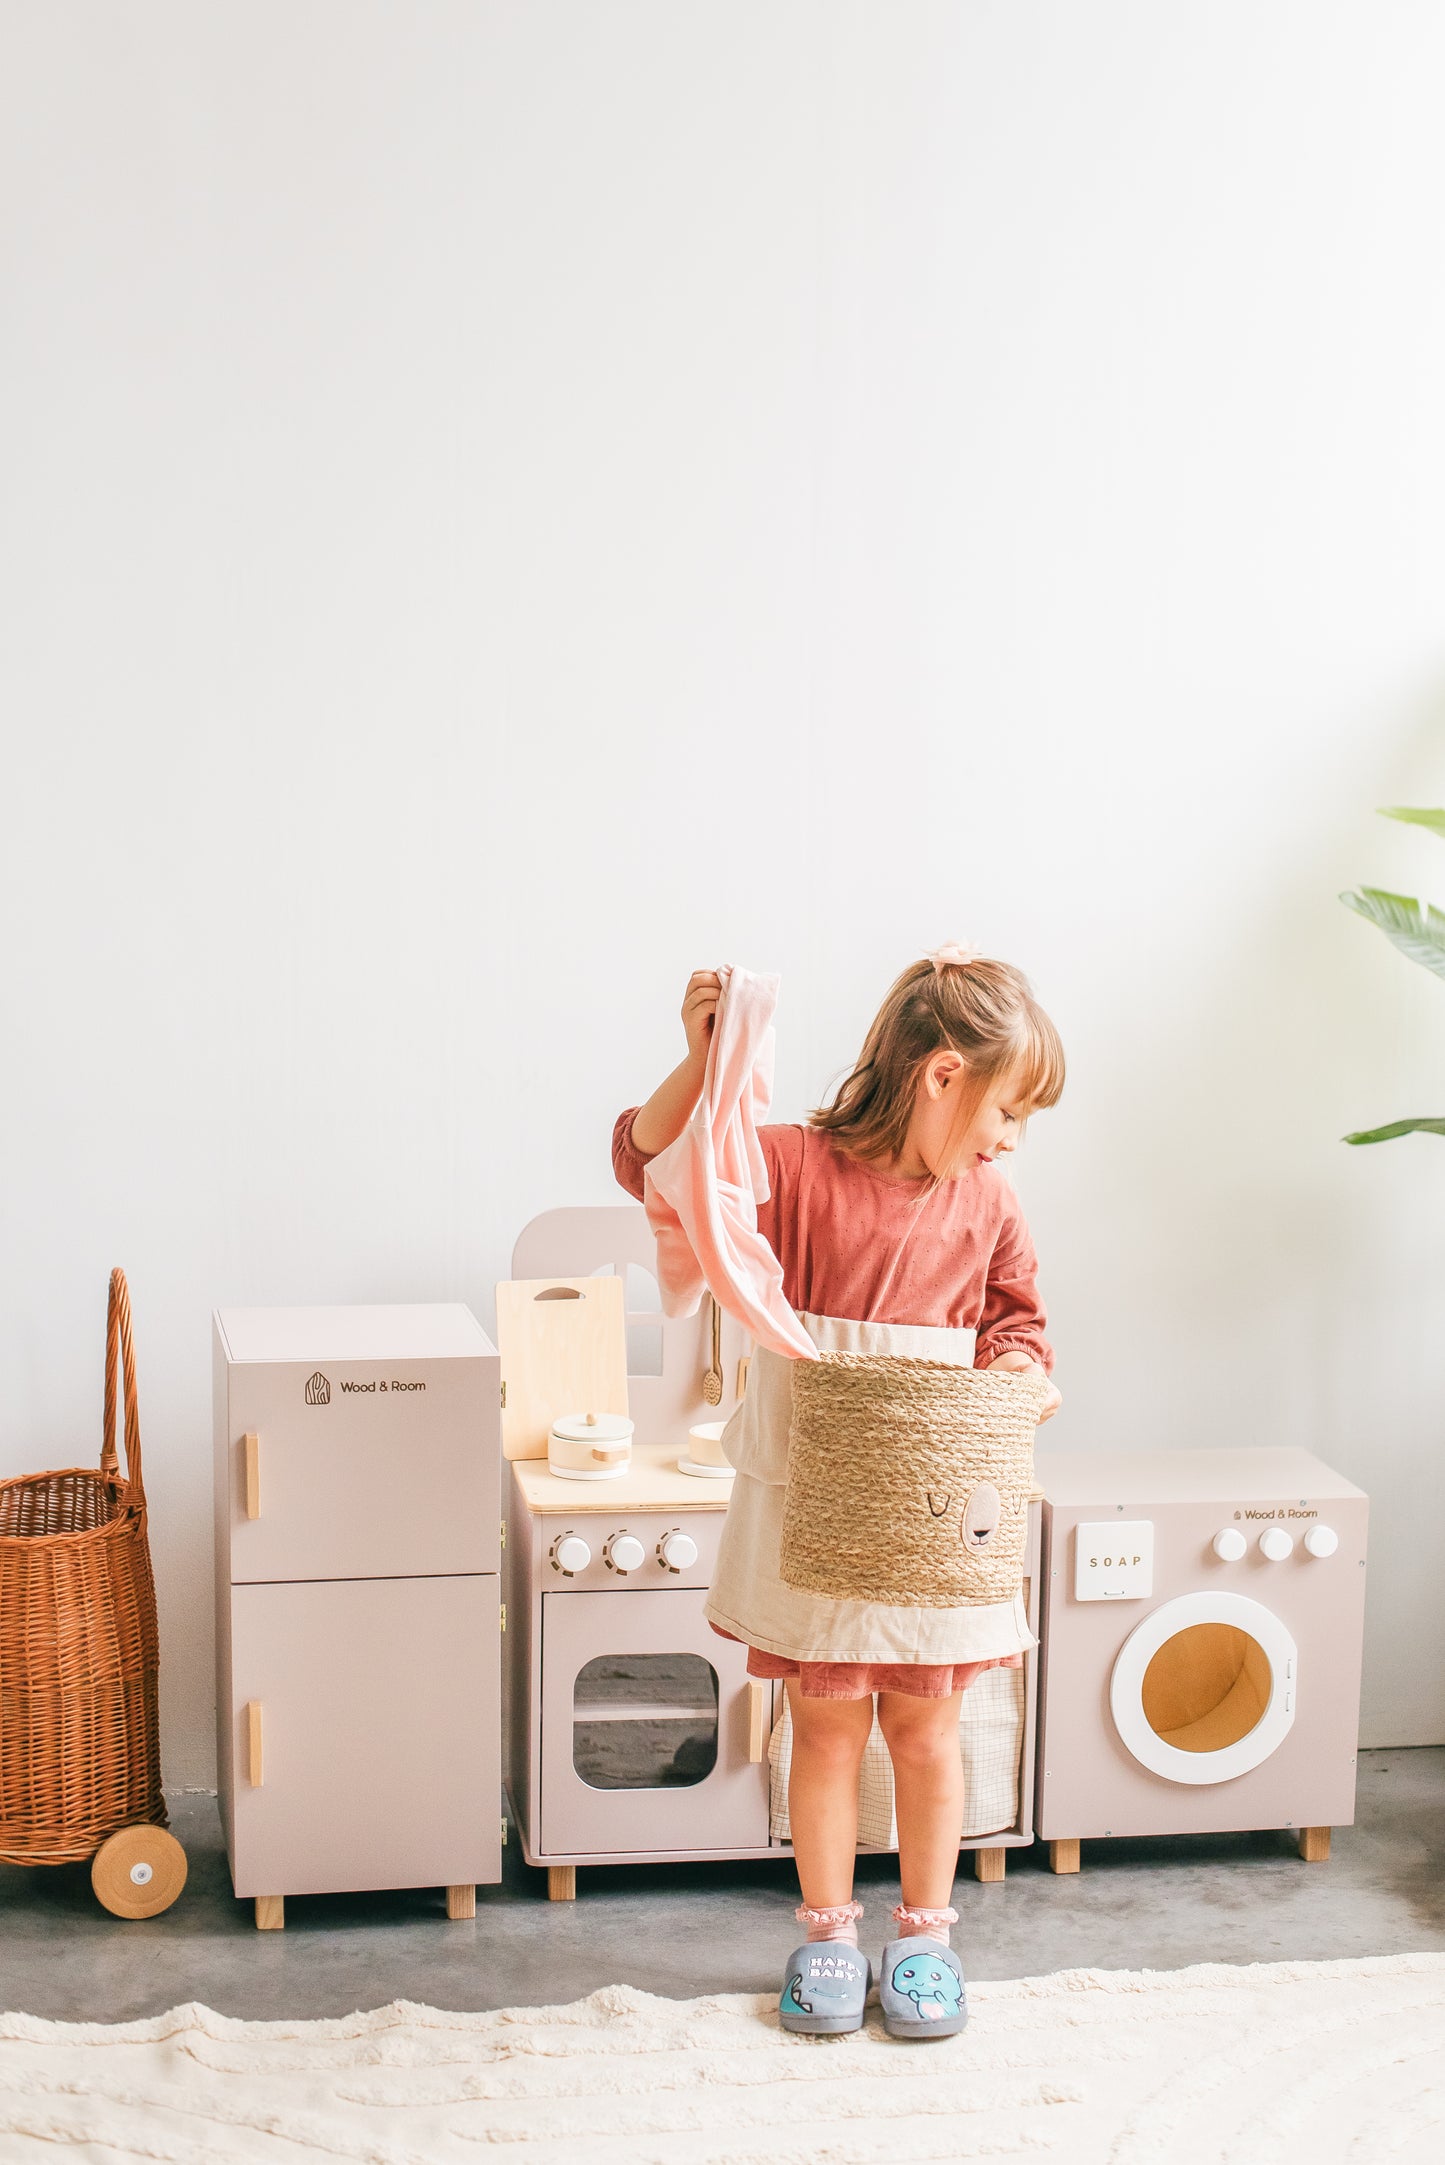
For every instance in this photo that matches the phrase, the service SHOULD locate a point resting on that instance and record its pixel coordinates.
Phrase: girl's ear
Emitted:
(942, 1069)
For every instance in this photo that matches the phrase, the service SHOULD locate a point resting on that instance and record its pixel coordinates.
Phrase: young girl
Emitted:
(897, 1235)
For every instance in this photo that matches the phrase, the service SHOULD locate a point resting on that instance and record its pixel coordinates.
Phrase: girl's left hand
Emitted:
(1019, 1364)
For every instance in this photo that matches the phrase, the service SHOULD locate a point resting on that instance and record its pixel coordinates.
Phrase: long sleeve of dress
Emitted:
(628, 1162)
(1013, 1315)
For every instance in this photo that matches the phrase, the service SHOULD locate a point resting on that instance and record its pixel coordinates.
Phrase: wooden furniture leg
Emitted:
(561, 1883)
(461, 1902)
(989, 1865)
(270, 1912)
(1064, 1856)
(1314, 1844)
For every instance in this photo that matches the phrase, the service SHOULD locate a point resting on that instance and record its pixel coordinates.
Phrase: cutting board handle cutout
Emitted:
(563, 1343)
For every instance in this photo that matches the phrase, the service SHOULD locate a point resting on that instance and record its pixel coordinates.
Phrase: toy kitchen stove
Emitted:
(635, 1731)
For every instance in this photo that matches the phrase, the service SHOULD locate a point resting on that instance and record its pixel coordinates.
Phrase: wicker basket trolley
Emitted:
(80, 1772)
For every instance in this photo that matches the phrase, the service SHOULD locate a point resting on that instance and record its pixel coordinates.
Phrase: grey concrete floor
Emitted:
(684, 1929)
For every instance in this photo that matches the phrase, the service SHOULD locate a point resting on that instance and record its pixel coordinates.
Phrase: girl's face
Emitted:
(993, 1127)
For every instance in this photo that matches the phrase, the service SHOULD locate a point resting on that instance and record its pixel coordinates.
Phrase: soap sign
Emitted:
(1114, 1561)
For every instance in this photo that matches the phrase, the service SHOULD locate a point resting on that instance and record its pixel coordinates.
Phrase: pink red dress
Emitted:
(881, 1264)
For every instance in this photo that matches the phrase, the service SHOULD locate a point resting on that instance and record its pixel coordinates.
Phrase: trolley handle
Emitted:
(118, 1339)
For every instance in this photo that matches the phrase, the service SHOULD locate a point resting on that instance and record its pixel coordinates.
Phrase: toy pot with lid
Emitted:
(589, 1446)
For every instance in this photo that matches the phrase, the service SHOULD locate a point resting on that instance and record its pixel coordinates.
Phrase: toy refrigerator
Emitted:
(358, 1612)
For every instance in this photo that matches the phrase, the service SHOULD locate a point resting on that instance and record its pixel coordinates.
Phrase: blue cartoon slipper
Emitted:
(920, 1989)
(824, 1989)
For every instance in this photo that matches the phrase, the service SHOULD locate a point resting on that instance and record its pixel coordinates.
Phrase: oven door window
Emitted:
(645, 1721)
(646, 1729)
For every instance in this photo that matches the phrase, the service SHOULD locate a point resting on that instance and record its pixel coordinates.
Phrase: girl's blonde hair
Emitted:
(984, 1011)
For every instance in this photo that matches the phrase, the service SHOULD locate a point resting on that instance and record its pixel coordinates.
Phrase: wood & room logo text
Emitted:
(1282, 1511)
(318, 1387)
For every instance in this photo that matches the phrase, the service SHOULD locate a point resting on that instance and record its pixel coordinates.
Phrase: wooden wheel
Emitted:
(139, 1872)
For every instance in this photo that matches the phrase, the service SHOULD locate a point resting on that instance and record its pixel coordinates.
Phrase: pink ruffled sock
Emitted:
(924, 1923)
(839, 1923)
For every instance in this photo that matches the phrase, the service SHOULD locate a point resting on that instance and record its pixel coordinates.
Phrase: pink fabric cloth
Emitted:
(859, 1243)
(702, 1193)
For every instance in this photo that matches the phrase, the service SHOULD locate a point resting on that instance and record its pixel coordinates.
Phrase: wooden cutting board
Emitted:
(563, 1343)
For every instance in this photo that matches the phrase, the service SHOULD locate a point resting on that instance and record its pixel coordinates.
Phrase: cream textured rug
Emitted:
(1313, 2061)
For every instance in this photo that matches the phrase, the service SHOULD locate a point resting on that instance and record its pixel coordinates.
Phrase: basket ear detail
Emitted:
(908, 1481)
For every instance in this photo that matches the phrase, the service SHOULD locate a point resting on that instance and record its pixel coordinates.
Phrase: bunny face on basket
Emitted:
(980, 1518)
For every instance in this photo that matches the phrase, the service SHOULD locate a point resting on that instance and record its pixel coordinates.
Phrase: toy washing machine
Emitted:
(1202, 1629)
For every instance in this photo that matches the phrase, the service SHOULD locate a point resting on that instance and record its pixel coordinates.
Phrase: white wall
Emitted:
(505, 503)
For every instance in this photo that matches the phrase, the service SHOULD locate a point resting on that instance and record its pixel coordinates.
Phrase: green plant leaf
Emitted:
(1435, 820)
(1397, 1127)
(1417, 929)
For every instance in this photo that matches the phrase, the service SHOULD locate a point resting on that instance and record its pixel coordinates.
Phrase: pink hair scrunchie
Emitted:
(954, 954)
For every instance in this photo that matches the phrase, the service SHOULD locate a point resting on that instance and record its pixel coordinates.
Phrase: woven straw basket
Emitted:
(79, 1745)
(908, 1480)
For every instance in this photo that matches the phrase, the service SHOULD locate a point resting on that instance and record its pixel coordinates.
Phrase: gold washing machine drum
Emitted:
(1202, 1631)
(1204, 1689)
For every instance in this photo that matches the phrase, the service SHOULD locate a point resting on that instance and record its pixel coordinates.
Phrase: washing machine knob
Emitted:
(624, 1552)
(677, 1551)
(1276, 1544)
(1322, 1540)
(1229, 1544)
(571, 1553)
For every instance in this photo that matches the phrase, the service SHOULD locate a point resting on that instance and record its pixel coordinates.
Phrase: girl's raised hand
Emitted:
(699, 1007)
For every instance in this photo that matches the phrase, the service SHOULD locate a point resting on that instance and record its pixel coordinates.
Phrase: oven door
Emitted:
(645, 1731)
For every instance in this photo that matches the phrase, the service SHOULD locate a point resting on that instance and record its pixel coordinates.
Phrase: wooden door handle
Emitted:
(253, 1742)
(251, 1458)
(760, 1726)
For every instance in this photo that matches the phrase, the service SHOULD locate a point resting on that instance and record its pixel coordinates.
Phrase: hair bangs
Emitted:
(1038, 1063)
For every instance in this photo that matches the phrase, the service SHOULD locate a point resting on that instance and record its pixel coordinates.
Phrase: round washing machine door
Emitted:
(1204, 1688)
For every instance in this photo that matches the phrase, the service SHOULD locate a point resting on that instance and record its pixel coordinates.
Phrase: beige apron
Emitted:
(748, 1597)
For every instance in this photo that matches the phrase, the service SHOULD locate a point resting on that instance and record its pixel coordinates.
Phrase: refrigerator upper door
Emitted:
(362, 1469)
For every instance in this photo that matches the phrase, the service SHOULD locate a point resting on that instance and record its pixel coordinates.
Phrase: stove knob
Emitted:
(571, 1553)
(1322, 1540)
(677, 1551)
(624, 1552)
(1276, 1544)
(1229, 1544)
